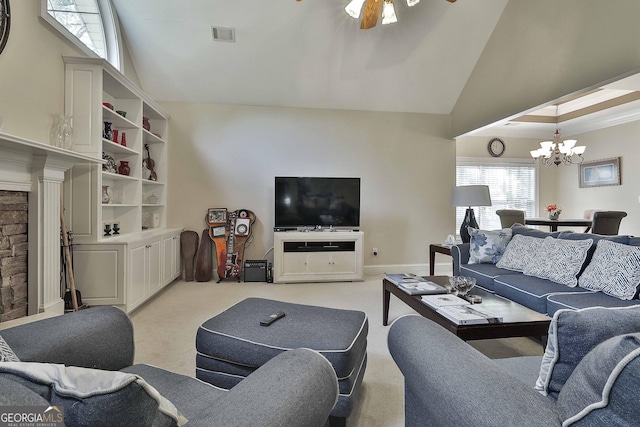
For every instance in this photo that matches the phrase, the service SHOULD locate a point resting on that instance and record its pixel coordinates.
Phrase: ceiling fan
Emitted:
(372, 9)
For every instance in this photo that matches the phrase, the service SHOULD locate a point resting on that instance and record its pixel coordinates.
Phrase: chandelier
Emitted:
(558, 152)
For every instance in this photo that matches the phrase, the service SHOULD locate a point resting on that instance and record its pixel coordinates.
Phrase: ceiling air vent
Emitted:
(222, 34)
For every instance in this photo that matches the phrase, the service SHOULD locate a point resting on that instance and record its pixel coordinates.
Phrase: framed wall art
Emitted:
(600, 173)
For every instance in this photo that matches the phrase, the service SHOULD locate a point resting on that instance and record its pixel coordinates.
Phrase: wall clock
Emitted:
(496, 147)
(5, 23)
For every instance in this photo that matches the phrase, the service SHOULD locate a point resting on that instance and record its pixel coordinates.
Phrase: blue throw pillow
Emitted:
(573, 334)
(487, 246)
(95, 397)
(603, 389)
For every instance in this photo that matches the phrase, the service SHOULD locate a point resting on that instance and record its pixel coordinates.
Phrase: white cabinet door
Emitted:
(343, 262)
(154, 267)
(319, 262)
(136, 289)
(171, 258)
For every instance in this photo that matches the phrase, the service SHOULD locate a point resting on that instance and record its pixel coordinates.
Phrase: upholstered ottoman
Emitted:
(233, 344)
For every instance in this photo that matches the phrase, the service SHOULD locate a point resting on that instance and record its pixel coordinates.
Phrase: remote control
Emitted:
(269, 320)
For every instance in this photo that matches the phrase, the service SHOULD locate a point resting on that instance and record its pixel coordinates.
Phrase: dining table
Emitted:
(553, 224)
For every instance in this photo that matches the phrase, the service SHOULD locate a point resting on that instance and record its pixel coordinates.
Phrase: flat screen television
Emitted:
(316, 202)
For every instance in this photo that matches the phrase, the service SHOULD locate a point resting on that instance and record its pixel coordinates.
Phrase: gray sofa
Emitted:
(539, 294)
(296, 388)
(594, 377)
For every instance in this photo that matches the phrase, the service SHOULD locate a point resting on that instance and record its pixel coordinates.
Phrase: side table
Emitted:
(439, 248)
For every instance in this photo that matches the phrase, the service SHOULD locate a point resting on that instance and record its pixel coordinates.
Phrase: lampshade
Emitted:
(471, 195)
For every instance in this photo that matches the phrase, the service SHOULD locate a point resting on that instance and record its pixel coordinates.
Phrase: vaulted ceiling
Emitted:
(312, 54)
(308, 53)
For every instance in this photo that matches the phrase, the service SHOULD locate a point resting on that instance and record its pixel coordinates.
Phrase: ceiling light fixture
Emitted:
(556, 152)
(354, 8)
(372, 11)
(388, 13)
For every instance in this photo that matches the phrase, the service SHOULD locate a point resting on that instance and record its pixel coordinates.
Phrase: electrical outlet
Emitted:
(374, 251)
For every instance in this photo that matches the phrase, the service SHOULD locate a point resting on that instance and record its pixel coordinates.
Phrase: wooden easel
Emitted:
(67, 254)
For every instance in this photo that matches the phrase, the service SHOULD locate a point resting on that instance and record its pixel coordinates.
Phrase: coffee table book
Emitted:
(437, 301)
(415, 285)
(468, 315)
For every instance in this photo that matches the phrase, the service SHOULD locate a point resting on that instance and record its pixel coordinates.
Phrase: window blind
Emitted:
(512, 186)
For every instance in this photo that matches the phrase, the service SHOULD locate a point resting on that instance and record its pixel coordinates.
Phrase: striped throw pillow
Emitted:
(614, 270)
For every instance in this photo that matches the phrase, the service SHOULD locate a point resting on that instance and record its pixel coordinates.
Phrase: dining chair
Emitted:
(607, 222)
(508, 217)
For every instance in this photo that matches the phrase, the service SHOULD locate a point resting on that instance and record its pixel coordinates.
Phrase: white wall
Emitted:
(618, 141)
(228, 156)
(32, 73)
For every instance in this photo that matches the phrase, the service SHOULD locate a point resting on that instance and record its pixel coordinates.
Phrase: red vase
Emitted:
(123, 141)
(145, 123)
(124, 168)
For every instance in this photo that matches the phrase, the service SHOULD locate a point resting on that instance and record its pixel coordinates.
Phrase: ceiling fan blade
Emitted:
(371, 12)
(450, 1)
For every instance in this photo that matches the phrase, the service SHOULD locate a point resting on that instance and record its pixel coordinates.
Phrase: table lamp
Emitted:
(470, 195)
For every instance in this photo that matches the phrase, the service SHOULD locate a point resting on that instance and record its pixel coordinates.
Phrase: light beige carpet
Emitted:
(165, 329)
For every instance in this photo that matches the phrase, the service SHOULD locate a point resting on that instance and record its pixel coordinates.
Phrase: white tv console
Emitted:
(318, 256)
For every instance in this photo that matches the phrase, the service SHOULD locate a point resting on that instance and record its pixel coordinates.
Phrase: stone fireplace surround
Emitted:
(39, 170)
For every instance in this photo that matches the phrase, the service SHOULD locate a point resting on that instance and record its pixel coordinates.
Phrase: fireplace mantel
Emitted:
(40, 170)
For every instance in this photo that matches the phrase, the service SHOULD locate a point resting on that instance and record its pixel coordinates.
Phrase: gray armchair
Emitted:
(296, 388)
(594, 381)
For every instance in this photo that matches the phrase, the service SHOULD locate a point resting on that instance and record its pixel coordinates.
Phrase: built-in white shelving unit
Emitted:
(128, 267)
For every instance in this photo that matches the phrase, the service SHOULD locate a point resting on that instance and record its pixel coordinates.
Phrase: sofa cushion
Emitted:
(6, 354)
(614, 269)
(573, 334)
(578, 300)
(487, 246)
(532, 292)
(604, 385)
(95, 397)
(559, 260)
(520, 250)
(483, 273)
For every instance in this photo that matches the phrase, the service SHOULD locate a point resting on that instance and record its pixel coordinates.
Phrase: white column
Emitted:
(44, 221)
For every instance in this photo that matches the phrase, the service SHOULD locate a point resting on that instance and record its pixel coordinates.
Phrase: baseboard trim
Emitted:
(419, 269)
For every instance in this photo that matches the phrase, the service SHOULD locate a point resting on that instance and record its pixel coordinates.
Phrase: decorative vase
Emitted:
(145, 123)
(124, 168)
(115, 135)
(61, 135)
(107, 133)
(105, 195)
(554, 215)
(123, 140)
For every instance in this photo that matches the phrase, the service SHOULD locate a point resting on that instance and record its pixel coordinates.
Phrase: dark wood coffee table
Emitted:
(518, 321)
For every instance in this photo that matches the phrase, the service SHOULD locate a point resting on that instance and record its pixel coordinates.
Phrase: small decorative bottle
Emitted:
(124, 168)
(145, 123)
(105, 195)
(123, 141)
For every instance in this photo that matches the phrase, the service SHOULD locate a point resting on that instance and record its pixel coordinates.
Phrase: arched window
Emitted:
(89, 24)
